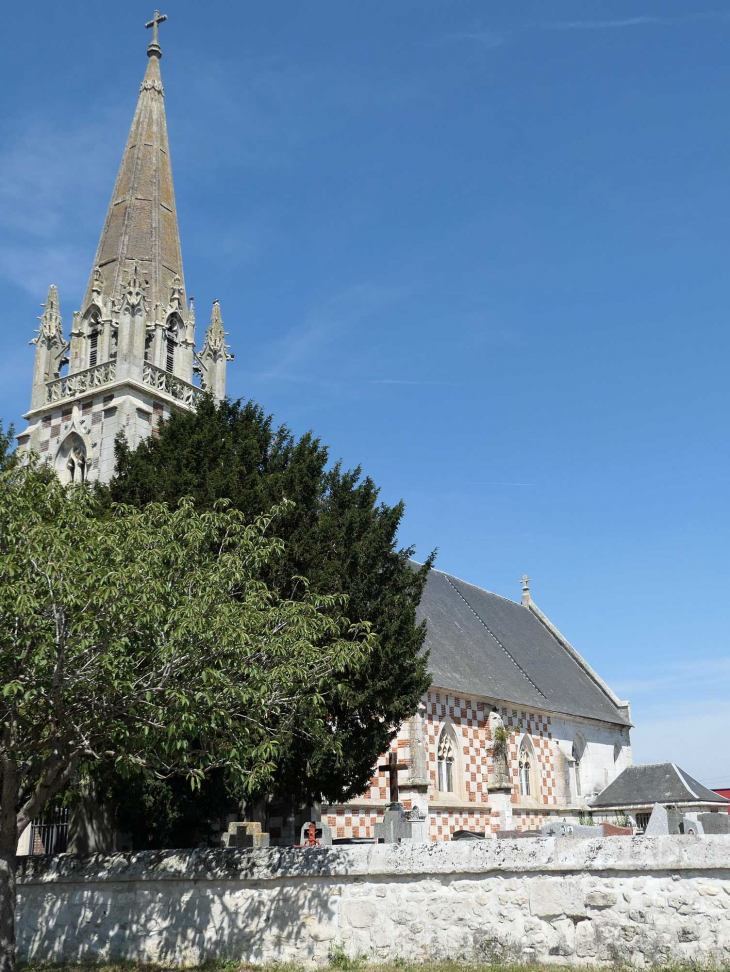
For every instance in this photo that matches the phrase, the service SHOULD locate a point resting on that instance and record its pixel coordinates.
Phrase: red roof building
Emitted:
(726, 793)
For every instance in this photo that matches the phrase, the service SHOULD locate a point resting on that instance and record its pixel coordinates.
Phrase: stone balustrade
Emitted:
(82, 381)
(162, 380)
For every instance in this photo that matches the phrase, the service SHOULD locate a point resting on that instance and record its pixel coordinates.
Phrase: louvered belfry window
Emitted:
(93, 349)
(170, 355)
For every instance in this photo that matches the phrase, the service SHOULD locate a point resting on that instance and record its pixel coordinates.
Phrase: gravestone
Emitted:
(322, 833)
(399, 824)
(563, 829)
(394, 827)
(689, 825)
(245, 833)
(714, 823)
(658, 822)
(670, 820)
(517, 834)
(418, 819)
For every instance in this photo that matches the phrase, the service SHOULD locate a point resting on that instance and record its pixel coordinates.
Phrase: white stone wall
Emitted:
(598, 767)
(552, 900)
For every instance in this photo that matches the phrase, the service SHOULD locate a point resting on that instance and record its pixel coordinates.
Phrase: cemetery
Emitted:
(489, 812)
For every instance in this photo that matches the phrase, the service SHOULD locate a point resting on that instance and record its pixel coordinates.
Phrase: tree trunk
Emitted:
(8, 870)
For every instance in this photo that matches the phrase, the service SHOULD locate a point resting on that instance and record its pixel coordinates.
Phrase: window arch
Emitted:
(71, 461)
(527, 768)
(446, 761)
(578, 751)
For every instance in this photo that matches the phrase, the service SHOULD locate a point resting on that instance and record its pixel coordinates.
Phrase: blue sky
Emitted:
(480, 248)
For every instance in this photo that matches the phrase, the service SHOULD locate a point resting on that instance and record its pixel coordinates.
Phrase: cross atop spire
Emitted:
(525, 581)
(154, 50)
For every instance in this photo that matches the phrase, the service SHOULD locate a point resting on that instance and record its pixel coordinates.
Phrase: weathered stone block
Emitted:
(360, 914)
(552, 898)
(601, 899)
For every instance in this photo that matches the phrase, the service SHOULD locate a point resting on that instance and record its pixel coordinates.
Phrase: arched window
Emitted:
(579, 747)
(71, 461)
(527, 767)
(445, 758)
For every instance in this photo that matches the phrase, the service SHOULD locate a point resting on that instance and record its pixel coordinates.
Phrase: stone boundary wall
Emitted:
(553, 900)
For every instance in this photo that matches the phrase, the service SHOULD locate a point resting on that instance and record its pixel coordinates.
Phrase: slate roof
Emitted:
(484, 644)
(637, 786)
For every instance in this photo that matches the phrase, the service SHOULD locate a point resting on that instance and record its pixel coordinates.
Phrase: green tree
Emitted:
(7, 447)
(147, 640)
(338, 535)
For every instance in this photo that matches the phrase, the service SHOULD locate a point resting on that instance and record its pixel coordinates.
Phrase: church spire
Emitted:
(131, 350)
(140, 229)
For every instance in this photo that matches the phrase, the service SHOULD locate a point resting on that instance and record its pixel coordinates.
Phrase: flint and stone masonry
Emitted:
(631, 900)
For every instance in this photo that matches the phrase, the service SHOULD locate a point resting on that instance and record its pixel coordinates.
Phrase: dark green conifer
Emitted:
(338, 536)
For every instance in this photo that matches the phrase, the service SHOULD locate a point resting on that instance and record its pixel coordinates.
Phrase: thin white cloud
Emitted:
(492, 483)
(685, 736)
(489, 39)
(485, 38)
(55, 183)
(408, 381)
(639, 21)
(327, 325)
(679, 677)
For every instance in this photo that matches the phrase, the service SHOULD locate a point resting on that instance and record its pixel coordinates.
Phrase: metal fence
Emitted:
(49, 834)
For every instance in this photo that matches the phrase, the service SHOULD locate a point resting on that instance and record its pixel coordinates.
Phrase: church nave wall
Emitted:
(544, 752)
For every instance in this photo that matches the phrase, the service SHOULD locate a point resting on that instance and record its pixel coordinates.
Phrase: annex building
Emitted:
(516, 729)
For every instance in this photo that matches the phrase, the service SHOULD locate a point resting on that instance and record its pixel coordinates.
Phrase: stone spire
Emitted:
(131, 349)
(51, 349)
(141, 228)
(211, 362)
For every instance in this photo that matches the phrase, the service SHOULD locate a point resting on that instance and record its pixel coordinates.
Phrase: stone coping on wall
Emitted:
(510, 857)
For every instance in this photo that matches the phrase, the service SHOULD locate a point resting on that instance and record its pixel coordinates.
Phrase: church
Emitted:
(516, 730)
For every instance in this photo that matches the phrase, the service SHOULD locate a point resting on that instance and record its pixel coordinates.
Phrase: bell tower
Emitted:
(130, 358)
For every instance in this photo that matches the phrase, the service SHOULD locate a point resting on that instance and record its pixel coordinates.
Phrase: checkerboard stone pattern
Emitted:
(537, 726)
(93, 414)
(352, 822)
(469, 720)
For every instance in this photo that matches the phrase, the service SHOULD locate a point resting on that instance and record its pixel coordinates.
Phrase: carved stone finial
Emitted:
(134, 291)
(176, 292)
(51, 324)
(97, 284)
(216, 338)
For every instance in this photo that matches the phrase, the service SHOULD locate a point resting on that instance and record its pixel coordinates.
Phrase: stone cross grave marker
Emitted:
(393, 766)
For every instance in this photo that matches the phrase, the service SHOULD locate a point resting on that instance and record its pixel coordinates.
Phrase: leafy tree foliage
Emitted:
(147, 639)
(338, 535)
(7, 447)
